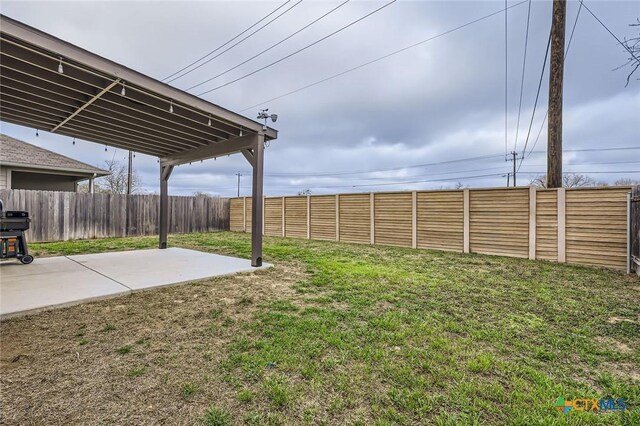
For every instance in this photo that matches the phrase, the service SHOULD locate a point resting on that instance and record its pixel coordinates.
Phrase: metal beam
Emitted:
(257, 201)
(217, 149)
(248, 154)
(165, 172)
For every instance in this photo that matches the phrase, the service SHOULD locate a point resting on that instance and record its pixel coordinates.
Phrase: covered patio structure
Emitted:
(52, 85)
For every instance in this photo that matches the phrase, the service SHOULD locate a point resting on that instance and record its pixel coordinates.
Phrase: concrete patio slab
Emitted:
(142, 269)
(65, 280)
(53, 281)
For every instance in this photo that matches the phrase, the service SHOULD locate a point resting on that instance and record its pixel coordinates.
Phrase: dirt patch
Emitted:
(128, 360)
(612, 343)
(616, 320)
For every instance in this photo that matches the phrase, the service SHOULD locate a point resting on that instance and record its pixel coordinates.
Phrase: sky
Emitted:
(431, 116)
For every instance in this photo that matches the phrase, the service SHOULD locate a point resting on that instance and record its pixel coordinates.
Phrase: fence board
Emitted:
(248, 212)
(236, 214)
(597, 227)
(393, 219)
(296, 211)
(60, 216)
(440, 217)
(355, 218)
(273, 216)
(499, 222)
(323, 217)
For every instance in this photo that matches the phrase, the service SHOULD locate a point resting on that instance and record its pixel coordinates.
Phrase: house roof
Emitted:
(14, 152)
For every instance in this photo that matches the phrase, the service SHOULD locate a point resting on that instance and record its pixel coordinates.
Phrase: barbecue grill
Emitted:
(13, 243)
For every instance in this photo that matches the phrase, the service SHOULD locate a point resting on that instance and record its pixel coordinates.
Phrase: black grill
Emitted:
(13, 243)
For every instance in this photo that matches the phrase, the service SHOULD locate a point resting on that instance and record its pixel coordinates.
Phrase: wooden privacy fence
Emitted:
(584, 226)
(61, 216)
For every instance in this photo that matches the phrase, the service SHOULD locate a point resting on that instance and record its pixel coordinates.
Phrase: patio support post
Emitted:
(165, 172)
(255, 156)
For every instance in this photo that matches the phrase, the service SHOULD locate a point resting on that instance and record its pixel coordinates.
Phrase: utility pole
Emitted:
(238, 174)
(556, 73)
(130, 173)
(508, 179)
(514, 158)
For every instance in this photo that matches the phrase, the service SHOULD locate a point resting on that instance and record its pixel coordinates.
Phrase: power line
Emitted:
(297, 51)
(381, 57)
(439, 163)
(272, 46)
(232, 46)
(610, 32)
(346, 173)
(535, 104)
(546, 114)
(524, 64)
(415, 181)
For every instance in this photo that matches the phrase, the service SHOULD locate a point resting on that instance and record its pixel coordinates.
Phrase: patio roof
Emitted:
(85, 100)
(50, 84)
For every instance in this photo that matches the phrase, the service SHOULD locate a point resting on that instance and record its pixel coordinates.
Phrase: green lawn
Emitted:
(356, 335)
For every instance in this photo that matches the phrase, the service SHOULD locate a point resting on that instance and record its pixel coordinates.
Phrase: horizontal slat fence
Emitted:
(62, 216)
(578, 225)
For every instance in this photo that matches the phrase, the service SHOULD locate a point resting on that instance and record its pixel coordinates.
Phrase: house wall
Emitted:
(5, 178)
(42, 181)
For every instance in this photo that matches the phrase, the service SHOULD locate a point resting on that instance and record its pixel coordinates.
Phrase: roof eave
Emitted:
(66, 170)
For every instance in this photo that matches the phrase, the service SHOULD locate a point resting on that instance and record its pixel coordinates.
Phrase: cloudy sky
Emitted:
(399, 123)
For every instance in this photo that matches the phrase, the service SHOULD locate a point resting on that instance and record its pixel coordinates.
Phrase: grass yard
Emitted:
(333, 334)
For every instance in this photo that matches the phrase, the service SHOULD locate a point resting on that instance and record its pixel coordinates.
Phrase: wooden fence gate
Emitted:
(634, 230)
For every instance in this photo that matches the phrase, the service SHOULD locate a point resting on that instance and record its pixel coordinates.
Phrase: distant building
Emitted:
(26, 166)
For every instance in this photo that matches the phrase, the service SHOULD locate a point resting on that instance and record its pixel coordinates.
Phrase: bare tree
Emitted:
(305, 192)
(633, 47)
(116, 181)
(569, 180)
(626, 182)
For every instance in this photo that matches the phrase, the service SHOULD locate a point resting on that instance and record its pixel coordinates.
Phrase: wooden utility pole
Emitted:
(556, 71)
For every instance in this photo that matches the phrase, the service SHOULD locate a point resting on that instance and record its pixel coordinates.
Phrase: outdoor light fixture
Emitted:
(60, 69)
(209, 121)
(74, 141)
(37, 134)
(171, 107)
(123, 91)
(262, 115)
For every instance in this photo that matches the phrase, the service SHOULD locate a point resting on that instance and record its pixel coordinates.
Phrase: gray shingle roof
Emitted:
(14, 151)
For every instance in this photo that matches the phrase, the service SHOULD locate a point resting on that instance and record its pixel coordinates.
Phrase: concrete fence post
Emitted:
(414, 219)
(372, 217)
(284, 217)
(466, 220)
(532, 221)
(337, 217)
(308, 217)
(562, 231)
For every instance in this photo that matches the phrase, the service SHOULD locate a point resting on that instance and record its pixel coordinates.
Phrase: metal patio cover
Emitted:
(49, 84)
